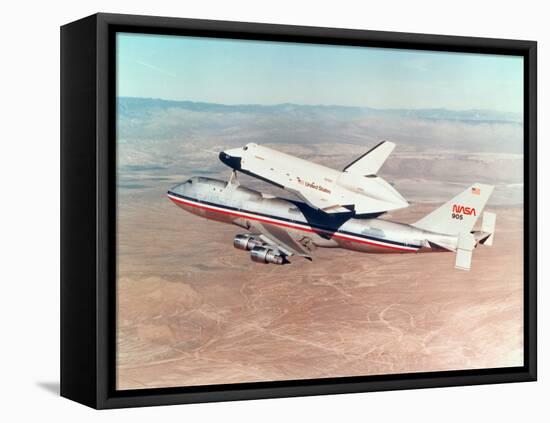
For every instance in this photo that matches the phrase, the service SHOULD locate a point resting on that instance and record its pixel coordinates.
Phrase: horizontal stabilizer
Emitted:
(371, 162)
(466, 244)
(442, 244)
(488, 226)
(481, 237)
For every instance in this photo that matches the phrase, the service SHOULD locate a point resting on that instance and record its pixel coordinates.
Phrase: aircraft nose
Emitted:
(182, 188)
(231, 161)
(177, 189)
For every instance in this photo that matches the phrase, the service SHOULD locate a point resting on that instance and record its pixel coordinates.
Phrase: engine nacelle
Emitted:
(266, 255)
(246, 242)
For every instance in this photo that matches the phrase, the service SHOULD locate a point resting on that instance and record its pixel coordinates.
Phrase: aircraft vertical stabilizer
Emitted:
(459, 214)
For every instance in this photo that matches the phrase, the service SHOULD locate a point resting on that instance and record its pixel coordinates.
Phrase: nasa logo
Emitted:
(459, 209)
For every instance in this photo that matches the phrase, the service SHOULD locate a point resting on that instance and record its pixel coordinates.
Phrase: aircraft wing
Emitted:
(285, 241)
(371, 162)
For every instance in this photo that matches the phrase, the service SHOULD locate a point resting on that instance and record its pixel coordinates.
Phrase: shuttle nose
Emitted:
(231, 161)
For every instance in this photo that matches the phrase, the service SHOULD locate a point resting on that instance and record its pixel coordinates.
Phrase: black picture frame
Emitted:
(88, 210)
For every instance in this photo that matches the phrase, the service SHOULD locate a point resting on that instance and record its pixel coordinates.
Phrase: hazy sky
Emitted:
(245, 72)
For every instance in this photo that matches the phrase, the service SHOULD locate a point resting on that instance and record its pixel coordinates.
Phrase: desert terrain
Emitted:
(192, 310)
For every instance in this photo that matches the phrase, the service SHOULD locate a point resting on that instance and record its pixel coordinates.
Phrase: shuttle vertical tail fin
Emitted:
(371, 162)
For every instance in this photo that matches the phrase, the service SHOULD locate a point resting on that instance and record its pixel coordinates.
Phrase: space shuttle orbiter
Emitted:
(356, 188)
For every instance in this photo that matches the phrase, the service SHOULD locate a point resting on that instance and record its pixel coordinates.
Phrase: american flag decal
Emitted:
(476, 191)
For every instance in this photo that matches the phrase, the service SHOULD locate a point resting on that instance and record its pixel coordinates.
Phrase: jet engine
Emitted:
(246, 242)
(266, 255)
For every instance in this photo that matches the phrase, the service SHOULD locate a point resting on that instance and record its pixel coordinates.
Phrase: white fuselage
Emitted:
(320, 186)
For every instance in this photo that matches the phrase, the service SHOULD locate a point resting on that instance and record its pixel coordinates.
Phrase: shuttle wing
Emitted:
(318, 201)
(358, 203)
(372, 205)
(371, 162)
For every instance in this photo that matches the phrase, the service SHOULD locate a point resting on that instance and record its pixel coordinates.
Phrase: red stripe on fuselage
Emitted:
(286, 225)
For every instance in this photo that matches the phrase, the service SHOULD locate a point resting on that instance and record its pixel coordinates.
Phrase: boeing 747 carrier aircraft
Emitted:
(275, 229)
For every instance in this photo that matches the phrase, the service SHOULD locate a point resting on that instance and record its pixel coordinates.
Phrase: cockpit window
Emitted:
(245, 147)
